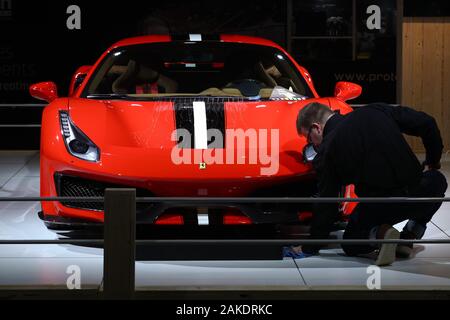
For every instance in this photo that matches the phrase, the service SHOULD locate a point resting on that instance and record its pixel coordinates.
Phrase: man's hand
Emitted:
(431, 166)
(434, 166)
(295, 252)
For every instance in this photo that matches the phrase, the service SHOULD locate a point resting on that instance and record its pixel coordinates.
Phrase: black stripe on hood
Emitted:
(215, 119)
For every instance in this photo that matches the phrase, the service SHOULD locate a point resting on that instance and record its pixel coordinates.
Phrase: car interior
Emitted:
(238, 76)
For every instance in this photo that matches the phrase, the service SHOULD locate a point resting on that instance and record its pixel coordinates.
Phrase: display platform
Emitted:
(49, 266)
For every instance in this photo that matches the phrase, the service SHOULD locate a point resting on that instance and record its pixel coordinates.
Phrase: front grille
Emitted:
(69, 186)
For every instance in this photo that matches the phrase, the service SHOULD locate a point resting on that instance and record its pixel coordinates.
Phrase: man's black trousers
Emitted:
(369, 215)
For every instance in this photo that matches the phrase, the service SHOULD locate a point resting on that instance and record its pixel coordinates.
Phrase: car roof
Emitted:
(196, 38)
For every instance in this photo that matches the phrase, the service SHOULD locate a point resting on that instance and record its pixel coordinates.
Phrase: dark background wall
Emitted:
(36, 44)
(328, 37)
(332, 40)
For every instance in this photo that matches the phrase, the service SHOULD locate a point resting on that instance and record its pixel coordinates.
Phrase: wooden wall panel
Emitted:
(425, 71)
(445, 129)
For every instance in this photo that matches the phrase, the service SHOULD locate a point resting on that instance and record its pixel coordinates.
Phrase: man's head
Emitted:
(311, 121)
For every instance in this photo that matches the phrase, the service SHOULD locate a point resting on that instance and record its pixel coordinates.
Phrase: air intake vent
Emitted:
(69, 186)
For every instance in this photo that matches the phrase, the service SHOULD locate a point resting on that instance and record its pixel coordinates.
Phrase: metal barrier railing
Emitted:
(120, 231)
(212, 200)
(20, 125)
(40, 105)
(239, 241)
(21, 106)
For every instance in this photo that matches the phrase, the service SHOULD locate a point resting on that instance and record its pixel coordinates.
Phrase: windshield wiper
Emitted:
(110, 96)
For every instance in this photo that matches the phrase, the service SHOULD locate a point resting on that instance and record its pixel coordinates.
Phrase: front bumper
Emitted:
(67, 185)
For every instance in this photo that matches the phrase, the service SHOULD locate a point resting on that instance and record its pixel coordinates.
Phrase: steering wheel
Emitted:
(248, 87)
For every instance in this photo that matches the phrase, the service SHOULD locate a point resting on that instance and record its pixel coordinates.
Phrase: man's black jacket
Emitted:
(366, 148)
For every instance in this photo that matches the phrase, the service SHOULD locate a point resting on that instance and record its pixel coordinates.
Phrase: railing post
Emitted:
(119, 246)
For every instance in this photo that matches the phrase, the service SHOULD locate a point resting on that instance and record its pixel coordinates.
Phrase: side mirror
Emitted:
(78, 78)
(44, 91)
(347, 90)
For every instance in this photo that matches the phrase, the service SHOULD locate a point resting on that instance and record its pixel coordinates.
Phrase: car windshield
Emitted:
(196, 68)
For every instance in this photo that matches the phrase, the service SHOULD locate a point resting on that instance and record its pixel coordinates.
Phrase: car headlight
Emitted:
(77, 143)
(309, 153)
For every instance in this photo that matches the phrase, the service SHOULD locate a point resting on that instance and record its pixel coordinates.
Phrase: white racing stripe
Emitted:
(195, 37)
(203, 219)
(200, 125)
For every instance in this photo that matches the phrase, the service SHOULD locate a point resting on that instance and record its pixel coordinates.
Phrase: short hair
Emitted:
(311, 113)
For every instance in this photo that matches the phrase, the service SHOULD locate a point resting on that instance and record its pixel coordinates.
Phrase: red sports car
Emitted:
(194, 115)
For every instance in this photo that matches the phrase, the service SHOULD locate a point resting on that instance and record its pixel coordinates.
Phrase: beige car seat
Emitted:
(140, 79)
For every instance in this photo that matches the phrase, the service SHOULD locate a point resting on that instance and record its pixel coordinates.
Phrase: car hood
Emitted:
(149, 124)
(125, 130)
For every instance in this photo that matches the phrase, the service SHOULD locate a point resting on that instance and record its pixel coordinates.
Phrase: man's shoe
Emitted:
(386, 256)
(405, 250)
